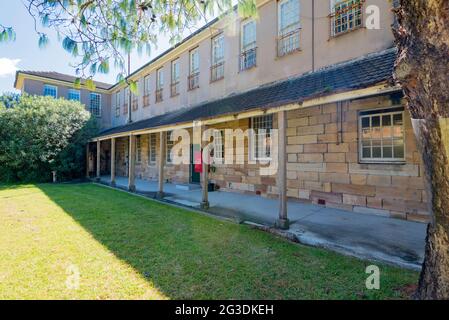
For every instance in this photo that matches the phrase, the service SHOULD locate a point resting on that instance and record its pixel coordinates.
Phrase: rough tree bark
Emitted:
(422, 68)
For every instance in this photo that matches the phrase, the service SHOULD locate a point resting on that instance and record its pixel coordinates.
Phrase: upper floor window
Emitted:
(248, 45)
(288, 26)
(117, 104)
(194, 74)
(74, 95)
(146, 91)
(135, 101)
(217, 68)
(260, 143)
(152, 148)
(381, 135)
(346, 15)
(175, 77)
(126, 100)
(159, 84)
(95, 104)
(51, 91)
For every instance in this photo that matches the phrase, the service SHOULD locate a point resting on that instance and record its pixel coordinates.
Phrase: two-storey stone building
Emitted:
(315, 71)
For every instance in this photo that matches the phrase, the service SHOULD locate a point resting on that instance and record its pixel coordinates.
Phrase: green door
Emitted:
(194, 176)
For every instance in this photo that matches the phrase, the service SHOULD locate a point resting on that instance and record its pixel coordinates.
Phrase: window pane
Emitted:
(386, 120)
(397, 119)
(375, 121)
(366, 152)
(377, 152)
(387, 152)
(399, 152)
(365, 122)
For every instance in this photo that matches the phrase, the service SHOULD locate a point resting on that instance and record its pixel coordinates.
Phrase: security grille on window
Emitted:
(382, 136)
(175, 78)
(347, 15)
(95, 104)
(51, 91)
(74, 95)
(138, 149)
(248, 45)
(261, 142)
(159, 85)
(117, 104)
(217, 68)
(169, 146)
(289, 26)
(152, 148)
(194, 76)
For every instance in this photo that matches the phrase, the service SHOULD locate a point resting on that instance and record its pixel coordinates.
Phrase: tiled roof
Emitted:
(355, 74)
(64, 77)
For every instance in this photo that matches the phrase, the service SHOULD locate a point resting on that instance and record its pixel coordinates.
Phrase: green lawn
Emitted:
(127, 247)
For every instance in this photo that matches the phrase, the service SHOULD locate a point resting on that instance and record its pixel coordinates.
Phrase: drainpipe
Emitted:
(313, 35)
(130, 119)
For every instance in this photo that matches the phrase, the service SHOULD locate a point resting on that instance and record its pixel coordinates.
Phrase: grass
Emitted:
(127, 247)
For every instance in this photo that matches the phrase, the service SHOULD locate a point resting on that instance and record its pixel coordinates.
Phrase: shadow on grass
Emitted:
(191, 256)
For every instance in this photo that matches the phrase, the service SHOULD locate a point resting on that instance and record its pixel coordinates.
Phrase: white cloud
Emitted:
(8, 66)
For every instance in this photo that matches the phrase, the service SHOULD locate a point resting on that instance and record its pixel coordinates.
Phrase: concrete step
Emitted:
(187, 187)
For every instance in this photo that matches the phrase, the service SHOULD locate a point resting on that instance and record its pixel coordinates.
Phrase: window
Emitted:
(217, 68)
(175, 78)
(135, 101)
(74, 95)
(261, 142)
(194, 75)
(95, 104)
(146, 91)
(248, 45)
(159, 84)
(138, 149)
(152, 147)
(219, 147)
(169, 146)
(126, 100)
(117, 104)
(51, 91)
(288, 26)
(346, 15)
(381, 135)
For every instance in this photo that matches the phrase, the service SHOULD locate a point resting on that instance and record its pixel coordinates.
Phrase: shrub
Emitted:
(42, 134)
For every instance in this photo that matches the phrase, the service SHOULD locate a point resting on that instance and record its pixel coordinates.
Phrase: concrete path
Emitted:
(365, 236)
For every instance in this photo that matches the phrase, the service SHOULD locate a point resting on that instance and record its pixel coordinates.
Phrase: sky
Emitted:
(25, 54)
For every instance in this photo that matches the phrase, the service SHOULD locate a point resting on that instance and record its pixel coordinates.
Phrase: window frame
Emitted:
(193, 78)
(152, 148)
(282, 35)
(138, 149)
(53, 87)
(146, 90)
(253, 139)
(333, 15)
(219, 64)
(159, 93)
(380, 113)
(251, 47)
(99, 103)
(168, 147)
(117, 103)
(71, 91)
(175, 78)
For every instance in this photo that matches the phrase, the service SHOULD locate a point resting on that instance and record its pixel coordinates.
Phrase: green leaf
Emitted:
(104, 66)
(90, 84)
(77, 83)
(133, 87)
(43, 40)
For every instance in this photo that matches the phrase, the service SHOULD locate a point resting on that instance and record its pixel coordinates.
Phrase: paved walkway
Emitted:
(366, 236)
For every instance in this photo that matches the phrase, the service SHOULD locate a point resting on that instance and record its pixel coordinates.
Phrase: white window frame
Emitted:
(168, 147)
(175, 77)
(217, 65)
(194, 69)
(117, 103)
(248, 47)
(138, 149)
(219, 146)
(333, 3)
(254, 140)
(99, 104)
(160, 78)
(76, 92)
(146, 85)
(52, 87)
(152, 148)
(294, 29)
(380, 114)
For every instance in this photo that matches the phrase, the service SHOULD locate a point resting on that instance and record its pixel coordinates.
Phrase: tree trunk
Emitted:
(422, 68)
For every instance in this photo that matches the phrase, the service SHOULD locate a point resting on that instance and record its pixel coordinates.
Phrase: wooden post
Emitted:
(204, 173)
(162, 147)
(283, 222)
(87, 161)
(113, 162)
(132, 164)
(98, 160)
